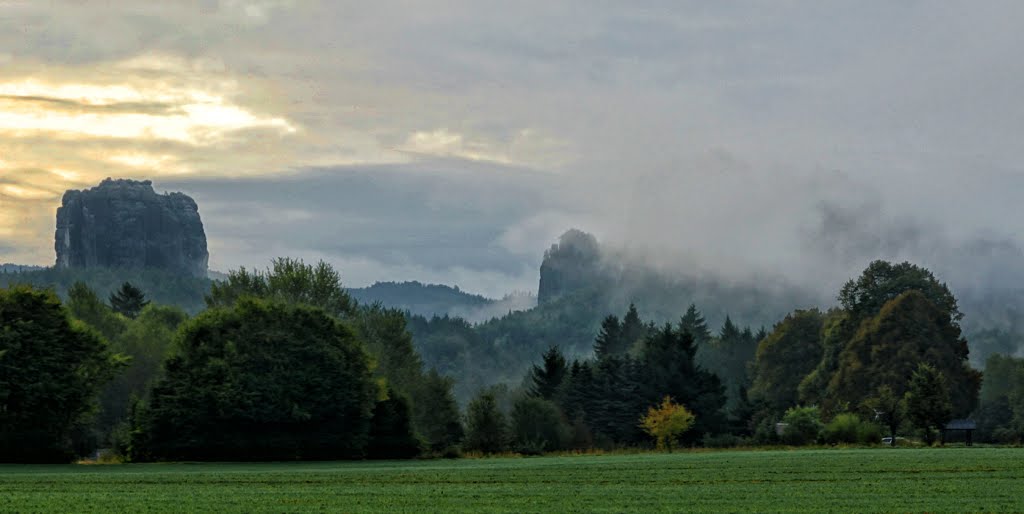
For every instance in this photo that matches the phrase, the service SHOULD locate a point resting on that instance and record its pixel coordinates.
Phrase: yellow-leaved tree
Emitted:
(666, 422)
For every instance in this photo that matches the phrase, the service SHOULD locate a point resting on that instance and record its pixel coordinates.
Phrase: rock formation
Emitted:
(125, 224)
(573, 263)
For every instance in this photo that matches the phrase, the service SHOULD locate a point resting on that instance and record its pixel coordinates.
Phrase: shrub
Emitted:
(486, 429)
(722, 441)
(803, 426)
(849, 428)
(538, 426)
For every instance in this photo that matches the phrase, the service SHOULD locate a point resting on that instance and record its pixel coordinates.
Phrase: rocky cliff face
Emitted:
(572, 264)
(125, 224)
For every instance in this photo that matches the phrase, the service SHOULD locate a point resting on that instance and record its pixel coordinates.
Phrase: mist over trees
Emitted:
(280, 359)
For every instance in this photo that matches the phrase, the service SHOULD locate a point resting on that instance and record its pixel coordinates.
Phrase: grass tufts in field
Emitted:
(923, 480)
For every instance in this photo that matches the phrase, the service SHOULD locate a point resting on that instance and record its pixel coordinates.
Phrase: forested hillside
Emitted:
(420, 299)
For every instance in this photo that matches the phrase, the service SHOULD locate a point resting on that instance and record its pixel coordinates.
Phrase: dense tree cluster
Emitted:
(893, 352)
(283, 364)
(51, 369)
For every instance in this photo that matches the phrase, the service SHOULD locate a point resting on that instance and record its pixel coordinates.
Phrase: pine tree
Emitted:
(548, 378)
(609, 339)
(633, 330)
(128, 301)
(693, 322)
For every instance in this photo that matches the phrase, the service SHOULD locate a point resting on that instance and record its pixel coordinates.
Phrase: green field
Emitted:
(901, 480)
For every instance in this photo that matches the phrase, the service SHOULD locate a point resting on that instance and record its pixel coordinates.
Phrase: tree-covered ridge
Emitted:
(162, 287)
(262, 371)
(419, 299)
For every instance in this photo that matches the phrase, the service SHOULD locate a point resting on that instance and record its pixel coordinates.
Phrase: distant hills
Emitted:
(17, 268)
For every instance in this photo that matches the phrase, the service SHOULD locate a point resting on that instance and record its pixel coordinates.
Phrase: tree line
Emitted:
(889, 359)
(283, 364)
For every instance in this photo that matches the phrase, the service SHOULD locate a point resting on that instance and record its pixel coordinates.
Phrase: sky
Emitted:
(453, 141)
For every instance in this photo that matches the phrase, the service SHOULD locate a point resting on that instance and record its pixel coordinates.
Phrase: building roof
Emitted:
(961, 424)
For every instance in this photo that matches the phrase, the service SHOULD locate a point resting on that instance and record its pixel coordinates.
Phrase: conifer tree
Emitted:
(548, 377)
(609, 339)
(128, 301)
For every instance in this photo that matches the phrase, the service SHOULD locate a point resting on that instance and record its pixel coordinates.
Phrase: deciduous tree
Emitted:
(50, 373)
(666, 422)
(928, 404)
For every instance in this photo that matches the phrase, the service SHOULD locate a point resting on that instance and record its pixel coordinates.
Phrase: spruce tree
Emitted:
(633, 330)
(609, 339)
(549, 377)
(693, 322)
(128, 301)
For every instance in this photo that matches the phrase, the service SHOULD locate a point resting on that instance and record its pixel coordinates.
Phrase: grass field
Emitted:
(867, 480)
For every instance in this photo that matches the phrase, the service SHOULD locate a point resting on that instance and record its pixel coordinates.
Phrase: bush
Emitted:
(870, 433)
(722, 441)
(849, 429)
(486, 430)
(765, 433)
(842, 429)
(538, 426)
(803, 426)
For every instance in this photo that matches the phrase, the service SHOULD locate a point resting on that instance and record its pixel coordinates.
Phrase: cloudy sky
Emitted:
(452, 141)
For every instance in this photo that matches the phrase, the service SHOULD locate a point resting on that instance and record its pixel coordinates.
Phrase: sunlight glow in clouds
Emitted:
(188, 116)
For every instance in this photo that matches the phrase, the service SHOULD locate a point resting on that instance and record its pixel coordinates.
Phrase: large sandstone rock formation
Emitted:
(125, 224)
(572, 264)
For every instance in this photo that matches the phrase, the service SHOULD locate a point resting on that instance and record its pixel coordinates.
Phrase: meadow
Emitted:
(837, 480)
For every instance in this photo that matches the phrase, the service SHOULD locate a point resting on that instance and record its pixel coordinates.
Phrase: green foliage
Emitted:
(85, 306)
(391, 433)
(785, 357)
(835, 332)
(927, 399)
(259, 381)
(537, 424)
(162, 287)
(547, 379)
(147, 341)
(419, 299)
(729, 355)
(668, 368)
(128, 300)
(287, 280)
(888, 347)
(666, 422)
(693, 323)
(889, 409)
(882, 282)
(849, 428)
(609, 340)
(384, 333)
(803, 426)
(436, 415)
(486, 428)
(1001, 414)
(861, 480)
(454, 348)
(50, 373)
